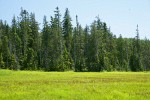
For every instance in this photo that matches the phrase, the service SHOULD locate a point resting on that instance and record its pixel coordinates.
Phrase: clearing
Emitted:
(36, 85)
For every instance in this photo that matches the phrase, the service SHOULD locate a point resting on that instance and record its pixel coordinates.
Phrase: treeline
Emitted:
(60, 47)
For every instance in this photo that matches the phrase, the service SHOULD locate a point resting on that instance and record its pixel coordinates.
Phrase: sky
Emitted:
(122, 16)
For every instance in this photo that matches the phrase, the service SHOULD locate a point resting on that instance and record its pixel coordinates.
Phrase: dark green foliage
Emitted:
(14, 64)
(135, 59)
(45, 44)
(78, 51)
(56, 39)
(67, 31)
(61, 47)
(2, 64)
(6, 52)
(145, 46)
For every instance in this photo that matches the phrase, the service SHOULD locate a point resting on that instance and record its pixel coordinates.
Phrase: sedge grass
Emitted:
(35, 85)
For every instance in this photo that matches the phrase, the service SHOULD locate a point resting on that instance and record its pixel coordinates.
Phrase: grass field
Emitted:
(34, 85)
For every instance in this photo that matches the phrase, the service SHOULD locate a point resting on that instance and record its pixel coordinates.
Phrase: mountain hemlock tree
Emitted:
(24, 36)
(16, 43)
(135, 59)
(94, 60)
(67, 35)
(78, 47)
(45, 44)
(34, 39)
(86, 47)
(120, 50)
(67, 30)
(6, 52)
(57, 42)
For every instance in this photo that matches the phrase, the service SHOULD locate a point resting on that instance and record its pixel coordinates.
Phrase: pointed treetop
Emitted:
(137, 29)
(77, 21)
(76, 18)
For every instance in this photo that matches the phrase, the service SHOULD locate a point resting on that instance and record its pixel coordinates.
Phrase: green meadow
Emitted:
(36, 85)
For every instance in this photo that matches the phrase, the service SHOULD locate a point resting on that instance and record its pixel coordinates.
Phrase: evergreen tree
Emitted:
(79, 47)
(14, 64)
(60, 46)
(2, 64)
(45, 44)
(6, 52)
(145, 54)
(135, 59)
(24, 27)
(24, 36)
(94, 46)
(87, 47)
(120, 53)
(67, 30)
(16, 42)
(57, 42)
(33, 40)
(67, 34)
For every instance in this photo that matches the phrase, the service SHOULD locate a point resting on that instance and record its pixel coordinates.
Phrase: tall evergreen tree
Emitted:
(6, 52)
(34, 40)
(120, 49)
(16, 42)
(67, 30)
(24, 36)
(67, 35)
(94, 46)
(78, 47)
(45, 44)
(60, 46)
(87, 47)
(135, 59)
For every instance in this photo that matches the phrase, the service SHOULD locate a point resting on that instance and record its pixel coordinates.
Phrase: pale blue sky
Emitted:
(121, 15)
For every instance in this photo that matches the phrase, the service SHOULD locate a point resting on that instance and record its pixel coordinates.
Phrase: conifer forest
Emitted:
(61, 46)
